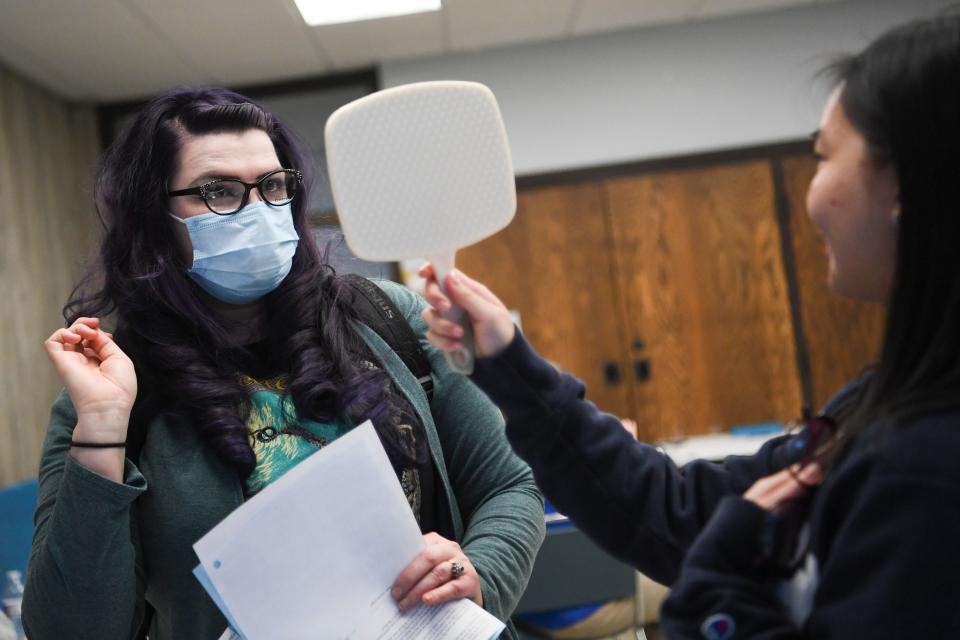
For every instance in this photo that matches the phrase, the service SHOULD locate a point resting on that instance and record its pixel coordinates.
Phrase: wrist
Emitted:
(102, 427)
(495, 339)
(506, 334)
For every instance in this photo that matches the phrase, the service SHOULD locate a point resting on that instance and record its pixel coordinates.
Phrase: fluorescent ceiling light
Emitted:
(320, 12)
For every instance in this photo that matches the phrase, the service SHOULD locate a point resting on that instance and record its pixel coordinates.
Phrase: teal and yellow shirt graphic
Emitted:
(281, 440)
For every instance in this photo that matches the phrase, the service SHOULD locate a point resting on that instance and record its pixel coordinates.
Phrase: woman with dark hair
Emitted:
(237, 352)
(753, 547)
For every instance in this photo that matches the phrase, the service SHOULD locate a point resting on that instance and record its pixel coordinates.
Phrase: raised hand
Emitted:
(493, 326)
(99, 377)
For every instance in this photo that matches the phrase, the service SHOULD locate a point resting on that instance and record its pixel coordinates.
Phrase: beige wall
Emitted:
(48, 151)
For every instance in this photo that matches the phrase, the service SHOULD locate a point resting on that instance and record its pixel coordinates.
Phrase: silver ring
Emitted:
(456, 569)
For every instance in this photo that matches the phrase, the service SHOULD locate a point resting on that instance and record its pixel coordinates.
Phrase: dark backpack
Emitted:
(379, 313)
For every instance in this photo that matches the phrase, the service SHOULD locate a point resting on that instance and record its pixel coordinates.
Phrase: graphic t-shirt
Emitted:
(280, 440)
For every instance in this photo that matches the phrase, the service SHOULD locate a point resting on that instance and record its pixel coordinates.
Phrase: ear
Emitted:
(895, 210)
(887, 186)
(184, 244)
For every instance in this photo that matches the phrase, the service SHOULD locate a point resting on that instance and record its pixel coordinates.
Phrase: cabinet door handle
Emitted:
(612, 373)
(641, 369)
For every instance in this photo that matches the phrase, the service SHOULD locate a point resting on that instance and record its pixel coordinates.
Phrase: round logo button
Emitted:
(719, 626)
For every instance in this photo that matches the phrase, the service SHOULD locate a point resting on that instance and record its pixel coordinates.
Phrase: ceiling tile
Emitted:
(607, 15)
(24, 62)
(473, 25)
(107, 50)
(362, 43)
(100, 48)
(238, 43)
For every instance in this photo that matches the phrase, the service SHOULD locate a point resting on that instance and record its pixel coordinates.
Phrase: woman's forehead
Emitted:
(228, 153)
(835, 126)
(831, 110)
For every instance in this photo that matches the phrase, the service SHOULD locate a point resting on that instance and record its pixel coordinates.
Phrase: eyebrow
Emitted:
(210, 176)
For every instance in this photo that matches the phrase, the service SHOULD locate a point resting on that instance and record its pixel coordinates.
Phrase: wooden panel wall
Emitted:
(553, 264)
(675, 277)
(842, 336)
(699, 262)
(48, 151)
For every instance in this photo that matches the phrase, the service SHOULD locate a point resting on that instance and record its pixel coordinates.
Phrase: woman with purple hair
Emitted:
(237, 352)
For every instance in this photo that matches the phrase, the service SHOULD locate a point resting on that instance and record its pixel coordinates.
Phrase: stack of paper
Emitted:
(314, 555)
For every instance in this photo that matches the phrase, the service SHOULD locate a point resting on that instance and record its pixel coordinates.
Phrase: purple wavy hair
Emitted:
(176, 343)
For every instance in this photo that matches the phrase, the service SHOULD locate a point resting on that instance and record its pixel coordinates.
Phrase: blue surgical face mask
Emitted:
(242, 257)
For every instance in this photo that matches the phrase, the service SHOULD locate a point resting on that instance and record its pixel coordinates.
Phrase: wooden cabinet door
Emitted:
(699, 265)
(667, 294)
(841, 336)
(553, 264)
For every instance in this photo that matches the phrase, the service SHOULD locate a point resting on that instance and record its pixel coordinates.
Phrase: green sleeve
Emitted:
(84, 578)
(501, 506)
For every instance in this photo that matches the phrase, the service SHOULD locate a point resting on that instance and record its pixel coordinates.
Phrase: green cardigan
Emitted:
(101, 547)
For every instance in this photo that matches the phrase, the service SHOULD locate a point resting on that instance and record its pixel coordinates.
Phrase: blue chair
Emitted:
(17, 504)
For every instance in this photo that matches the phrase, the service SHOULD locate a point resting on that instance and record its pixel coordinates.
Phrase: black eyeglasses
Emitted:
(227, 196)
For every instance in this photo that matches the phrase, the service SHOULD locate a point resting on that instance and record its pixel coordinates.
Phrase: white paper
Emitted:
(311, 555)
(455, 620)
(201, 575)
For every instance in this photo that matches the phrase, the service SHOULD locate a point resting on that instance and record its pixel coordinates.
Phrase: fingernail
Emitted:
(454, 278)
(395, 592)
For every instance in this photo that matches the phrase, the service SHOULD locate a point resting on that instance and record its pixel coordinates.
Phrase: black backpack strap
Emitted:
(380, 314)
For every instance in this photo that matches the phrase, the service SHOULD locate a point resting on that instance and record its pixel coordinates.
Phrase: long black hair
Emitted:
(902, 93)
(176, 342)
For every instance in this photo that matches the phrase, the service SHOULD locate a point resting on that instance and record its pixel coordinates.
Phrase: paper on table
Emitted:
(714, 446)
(310, 555)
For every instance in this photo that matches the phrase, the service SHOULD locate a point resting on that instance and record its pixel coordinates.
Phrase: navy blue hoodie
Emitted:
(884, 527)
